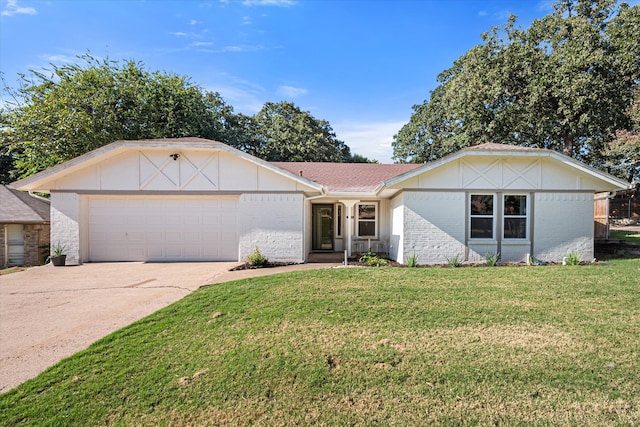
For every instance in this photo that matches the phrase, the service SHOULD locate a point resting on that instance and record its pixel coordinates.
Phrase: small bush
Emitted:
(491, 258)
(256, 259)
(412, 261)
(371, 259)
(572, 258)
(455, 261)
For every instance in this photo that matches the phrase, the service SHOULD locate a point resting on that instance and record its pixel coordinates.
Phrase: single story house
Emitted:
(24, 228)
(192, 199)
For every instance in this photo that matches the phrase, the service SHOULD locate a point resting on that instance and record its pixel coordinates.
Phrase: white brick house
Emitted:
(193, 199)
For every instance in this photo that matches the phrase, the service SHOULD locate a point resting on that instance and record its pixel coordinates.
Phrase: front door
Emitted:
(322, 227)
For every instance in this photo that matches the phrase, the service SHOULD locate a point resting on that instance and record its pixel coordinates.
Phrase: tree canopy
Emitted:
(77, 108)
(284, 133)
(66, 111)
(564, 84)
(622, 154)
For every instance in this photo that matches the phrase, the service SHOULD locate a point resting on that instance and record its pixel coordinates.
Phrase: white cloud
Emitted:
(291, 91)
(194, 22)
(278, 3)
(179, 34)
(12, 8)
(246, 97)
(370, 139)
(200, 44)
(59, 59)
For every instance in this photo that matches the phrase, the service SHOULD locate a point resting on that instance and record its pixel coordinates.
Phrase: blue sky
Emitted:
(359, 64)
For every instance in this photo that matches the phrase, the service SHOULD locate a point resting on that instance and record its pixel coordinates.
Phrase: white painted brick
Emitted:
(563, 222)
(273, 223)
(65, 224)
(433, 225)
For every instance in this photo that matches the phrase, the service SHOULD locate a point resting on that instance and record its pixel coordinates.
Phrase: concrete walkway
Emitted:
(49, 313)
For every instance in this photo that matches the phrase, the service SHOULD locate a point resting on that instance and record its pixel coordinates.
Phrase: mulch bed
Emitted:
(247, 266)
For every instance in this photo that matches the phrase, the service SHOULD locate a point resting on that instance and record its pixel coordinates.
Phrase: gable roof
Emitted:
(608, 182)
(40, 180)
(17, 207)
(347, 177)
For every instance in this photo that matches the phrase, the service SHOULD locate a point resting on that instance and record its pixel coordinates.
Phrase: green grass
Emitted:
(628, 236)
(554, 345)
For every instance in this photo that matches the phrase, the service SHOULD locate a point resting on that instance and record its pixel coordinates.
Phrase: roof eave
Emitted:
(603, 176)
(40, 180)
(21, 221)
(351, 194)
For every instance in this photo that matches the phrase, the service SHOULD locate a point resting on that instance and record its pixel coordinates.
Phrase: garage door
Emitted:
(163, 229)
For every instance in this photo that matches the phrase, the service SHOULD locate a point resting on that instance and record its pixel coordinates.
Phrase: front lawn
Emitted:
(365, 346)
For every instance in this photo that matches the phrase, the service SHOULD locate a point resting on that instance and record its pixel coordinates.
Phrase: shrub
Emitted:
(256, 259)
(412, 261)
(491, 258)
(572, 258)
(455, 261)
(371, 259)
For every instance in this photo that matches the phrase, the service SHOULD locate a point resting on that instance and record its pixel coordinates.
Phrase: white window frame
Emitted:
(375, 221)
(526, 216)
(493, 217)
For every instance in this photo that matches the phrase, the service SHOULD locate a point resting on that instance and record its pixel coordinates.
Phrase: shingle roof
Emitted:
(496, 146)
(347, 177)
(18, 207)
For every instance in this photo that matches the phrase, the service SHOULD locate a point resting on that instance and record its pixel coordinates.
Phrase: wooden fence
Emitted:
(624, 208)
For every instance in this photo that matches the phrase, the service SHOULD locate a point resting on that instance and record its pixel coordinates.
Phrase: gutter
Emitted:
(323, 193)
(35, 196)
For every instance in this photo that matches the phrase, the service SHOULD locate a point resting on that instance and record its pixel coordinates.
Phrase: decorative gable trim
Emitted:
(159, 169)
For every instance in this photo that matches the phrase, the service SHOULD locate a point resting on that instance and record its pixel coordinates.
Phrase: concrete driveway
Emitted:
(49, 313)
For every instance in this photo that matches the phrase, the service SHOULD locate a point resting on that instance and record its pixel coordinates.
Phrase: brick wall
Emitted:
(275, 224)
(563, 222)
(36, 238)
(434, 225)
(65, 224)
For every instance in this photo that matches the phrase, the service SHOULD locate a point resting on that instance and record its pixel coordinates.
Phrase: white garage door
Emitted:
(163, 228)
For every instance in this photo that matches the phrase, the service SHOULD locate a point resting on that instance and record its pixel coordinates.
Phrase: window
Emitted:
(367, 219)
(482, 215)
(515, 217)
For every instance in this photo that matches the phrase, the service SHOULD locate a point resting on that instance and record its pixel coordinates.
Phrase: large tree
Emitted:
(623, 152)
(564, 84)
(284, 133)
(66, 111)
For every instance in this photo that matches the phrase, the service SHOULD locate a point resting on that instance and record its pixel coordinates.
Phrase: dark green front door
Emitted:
(322, 227)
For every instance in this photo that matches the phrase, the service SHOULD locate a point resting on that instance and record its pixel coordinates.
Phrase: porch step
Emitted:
(321, 257)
